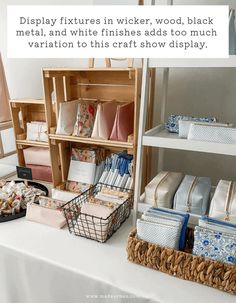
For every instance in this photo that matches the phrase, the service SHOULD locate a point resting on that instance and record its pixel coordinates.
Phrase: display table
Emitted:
(39, 264)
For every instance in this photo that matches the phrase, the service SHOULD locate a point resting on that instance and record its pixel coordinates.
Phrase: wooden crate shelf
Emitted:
(92, 141)
(24, 111)
(103, 84)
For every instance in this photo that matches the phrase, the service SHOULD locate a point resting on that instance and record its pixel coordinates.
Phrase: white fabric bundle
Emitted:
(37, 131)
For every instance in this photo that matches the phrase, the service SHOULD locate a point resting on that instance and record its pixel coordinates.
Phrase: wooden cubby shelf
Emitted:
(92, 141)
(88, 84)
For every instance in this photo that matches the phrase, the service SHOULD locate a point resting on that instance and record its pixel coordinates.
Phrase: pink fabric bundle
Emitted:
(124, 122)
(40, 172)
(51, 217)
(37, 156)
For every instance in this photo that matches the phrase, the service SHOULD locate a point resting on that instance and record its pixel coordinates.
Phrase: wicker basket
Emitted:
(182, 264)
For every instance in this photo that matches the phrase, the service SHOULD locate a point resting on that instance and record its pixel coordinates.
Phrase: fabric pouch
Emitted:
(104, 120)
(172, 124)
(193, 195)
(163, 234)
(217, 225)
(177, 215)
(217, 134)
(214, 245)
(67, 117)
(184, 126)
(44, 215)
(160, 191)
(86, 113)
(223, 203)
(124, 122)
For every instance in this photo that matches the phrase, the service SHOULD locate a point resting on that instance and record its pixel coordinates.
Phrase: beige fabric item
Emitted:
(160, 191)
(223, 203)
(51, 217)
(5, 114)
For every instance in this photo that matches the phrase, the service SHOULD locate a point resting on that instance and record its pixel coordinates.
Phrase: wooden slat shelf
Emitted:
(32, 143)
(28, 101)
(92, 141)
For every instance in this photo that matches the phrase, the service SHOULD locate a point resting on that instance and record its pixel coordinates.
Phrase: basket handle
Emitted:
(130, 61)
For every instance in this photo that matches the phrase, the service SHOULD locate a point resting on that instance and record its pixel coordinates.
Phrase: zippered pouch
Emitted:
(193, 195)
(161, 234)
(218, 134)
(177, 215)
(223, 203)
(161, 220)
(184, 126)
(160, 191)
(172, 124)
(214, 245)
(217, 225)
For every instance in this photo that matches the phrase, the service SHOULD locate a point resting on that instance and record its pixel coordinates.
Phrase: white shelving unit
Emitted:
(161, 138)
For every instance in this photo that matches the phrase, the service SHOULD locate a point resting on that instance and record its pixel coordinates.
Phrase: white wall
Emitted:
(24, 75)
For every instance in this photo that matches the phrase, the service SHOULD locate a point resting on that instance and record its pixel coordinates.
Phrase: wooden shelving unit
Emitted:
(104, 84)
(23, 111)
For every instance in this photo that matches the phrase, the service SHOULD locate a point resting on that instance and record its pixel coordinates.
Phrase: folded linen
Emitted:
(37, 156)
(40, 172)
(37, 131)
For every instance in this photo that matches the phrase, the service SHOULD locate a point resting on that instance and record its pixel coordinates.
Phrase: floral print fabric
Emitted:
(85, 119)
(215, 245)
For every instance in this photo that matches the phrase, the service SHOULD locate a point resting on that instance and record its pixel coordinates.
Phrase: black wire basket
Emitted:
(92, 227)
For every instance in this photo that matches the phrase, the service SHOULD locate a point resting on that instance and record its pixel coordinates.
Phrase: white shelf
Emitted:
(159, 137)
(206, 62)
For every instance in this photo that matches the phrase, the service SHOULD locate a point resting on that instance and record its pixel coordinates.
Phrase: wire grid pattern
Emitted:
(92, 227)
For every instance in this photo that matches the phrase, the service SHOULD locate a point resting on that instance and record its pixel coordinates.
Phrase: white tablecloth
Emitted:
(39, 264)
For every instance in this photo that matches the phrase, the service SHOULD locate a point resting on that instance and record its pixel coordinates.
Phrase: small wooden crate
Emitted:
(182, 264)
(104, 84)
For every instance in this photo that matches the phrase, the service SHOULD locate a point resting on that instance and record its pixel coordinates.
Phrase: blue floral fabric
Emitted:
(172, 124)
(214, 245)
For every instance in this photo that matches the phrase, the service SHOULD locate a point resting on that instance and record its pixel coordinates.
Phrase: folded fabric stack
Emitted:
(48, 212)
(164, 228)
(118, 171)
(104, 120)
(37, 131)
(38, 159)
(86, 167)
(99, 216)
(216, 240)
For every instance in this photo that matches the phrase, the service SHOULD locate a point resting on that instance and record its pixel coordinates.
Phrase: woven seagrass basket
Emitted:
(181, 264)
